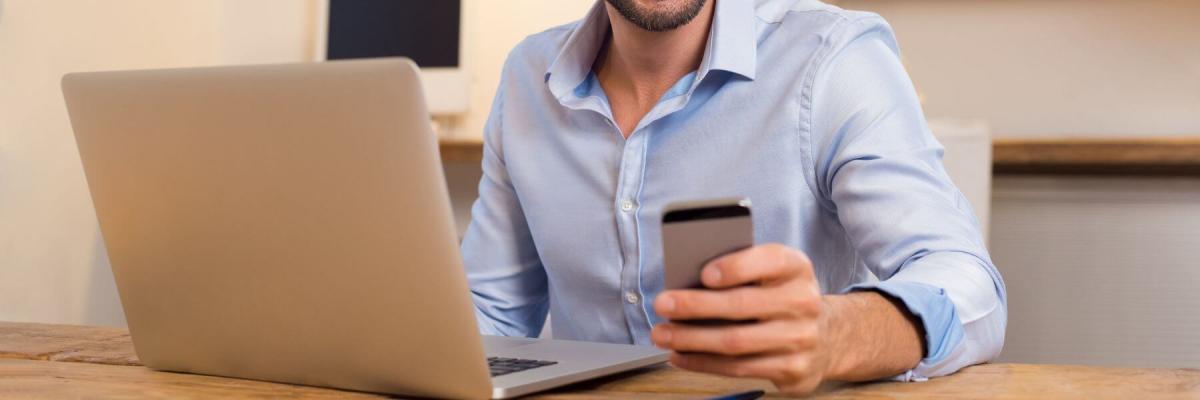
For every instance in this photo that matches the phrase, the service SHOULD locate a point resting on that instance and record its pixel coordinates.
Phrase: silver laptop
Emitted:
(291, 223)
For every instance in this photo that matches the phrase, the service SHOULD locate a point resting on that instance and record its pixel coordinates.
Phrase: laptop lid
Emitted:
(287, 223)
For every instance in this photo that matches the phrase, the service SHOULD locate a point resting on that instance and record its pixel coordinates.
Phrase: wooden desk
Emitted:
(62, 361)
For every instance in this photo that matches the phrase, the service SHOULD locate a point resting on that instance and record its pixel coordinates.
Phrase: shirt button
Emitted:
(626, 205)
(631, 297)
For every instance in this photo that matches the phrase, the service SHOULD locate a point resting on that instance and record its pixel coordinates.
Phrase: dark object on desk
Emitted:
(503, 366)
(751, 395)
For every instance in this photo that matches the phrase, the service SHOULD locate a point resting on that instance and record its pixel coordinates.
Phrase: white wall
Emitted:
(267, 31)
(52, 262)
(490, 29)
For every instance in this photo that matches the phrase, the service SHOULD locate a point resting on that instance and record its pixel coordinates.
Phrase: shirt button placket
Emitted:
(630, 184)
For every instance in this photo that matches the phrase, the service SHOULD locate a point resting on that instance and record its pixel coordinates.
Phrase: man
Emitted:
(803, 108)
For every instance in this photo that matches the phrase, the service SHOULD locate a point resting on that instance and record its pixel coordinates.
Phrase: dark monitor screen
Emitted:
(426, 31)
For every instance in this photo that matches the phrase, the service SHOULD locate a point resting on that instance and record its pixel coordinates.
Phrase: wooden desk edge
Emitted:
(28, 366)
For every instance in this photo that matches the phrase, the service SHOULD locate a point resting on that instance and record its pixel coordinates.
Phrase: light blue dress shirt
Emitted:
(800, 106)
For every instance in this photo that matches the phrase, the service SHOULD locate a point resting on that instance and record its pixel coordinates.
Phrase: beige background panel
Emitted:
(1062, 67)
(1100, 271)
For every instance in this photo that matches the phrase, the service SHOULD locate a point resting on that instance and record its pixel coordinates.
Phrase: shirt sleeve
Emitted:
(507, 279)
(880, 169)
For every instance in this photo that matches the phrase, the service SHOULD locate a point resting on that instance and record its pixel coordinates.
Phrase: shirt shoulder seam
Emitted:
(834, 38)
(806, 106)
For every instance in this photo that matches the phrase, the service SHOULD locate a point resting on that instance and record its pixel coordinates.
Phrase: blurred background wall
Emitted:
(53, 262)
(1100, 270)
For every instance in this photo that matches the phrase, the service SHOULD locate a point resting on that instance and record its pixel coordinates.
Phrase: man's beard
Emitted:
(658, 20)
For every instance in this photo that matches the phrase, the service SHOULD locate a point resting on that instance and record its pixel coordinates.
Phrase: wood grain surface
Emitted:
(1169, 156)
(48, 342)
(33, 379)
(64, 361)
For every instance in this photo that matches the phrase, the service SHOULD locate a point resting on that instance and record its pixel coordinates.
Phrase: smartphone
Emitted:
(696, 232)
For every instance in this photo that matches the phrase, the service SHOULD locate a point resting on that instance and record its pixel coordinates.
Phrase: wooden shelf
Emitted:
(462, 150)
(1154, 156)
(1161, 156)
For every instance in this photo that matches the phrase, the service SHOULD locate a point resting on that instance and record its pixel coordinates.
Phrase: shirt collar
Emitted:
(732, 45)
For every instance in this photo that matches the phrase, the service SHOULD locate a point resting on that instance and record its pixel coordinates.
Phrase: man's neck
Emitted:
(646, 64)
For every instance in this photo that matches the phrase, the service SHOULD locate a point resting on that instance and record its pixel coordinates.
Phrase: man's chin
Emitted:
(658, 15)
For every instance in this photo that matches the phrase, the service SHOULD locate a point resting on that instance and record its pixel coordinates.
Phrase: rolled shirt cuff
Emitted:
(930, 304)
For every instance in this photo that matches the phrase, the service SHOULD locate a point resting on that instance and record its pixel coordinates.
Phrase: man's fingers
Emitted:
(793, 373)
(759, 264)
(743, 303)
(738, 339)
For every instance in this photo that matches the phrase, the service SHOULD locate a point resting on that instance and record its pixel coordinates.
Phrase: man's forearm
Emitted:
(870, 336)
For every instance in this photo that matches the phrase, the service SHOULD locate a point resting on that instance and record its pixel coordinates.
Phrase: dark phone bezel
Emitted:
(706, 213)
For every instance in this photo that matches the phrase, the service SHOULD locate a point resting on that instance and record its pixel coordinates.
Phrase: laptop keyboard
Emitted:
(504, 366)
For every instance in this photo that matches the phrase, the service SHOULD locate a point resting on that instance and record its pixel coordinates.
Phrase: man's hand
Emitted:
(784, 345)
(797, 338)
